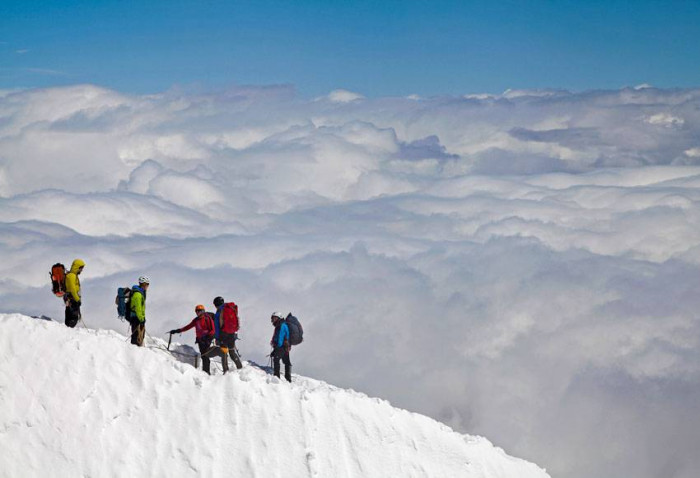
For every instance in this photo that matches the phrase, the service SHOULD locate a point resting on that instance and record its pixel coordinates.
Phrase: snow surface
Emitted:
(82, 402)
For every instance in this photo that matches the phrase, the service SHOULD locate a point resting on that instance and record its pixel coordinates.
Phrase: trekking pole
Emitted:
(170, 337)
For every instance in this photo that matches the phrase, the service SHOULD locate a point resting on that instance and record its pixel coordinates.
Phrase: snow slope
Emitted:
(79, 402)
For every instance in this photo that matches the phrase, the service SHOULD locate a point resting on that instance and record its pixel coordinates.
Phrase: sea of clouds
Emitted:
(523, 266)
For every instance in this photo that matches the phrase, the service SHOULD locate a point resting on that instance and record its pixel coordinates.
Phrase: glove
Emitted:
(174, 331)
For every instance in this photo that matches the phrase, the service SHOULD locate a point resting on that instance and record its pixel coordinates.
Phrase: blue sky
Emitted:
(375, 48)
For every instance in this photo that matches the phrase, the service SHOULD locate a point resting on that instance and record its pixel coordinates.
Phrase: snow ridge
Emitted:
(80, 402)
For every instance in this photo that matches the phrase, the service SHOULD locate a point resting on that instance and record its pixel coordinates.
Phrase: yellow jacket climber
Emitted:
(73, 297)
(72, 280)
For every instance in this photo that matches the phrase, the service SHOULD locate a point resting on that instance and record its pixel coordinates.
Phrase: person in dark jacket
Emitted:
(138, 311)
(280, 345)
(73, 298)
(226, 328)
(204, 330)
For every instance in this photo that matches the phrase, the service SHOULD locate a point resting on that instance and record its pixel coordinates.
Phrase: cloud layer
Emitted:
(522, 266)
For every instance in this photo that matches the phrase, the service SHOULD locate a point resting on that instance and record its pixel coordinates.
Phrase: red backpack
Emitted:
(229, 318)
(58, 279)
(208, 324)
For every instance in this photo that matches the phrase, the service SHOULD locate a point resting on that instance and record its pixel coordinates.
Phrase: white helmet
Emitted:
(278, 315)
(144, 280)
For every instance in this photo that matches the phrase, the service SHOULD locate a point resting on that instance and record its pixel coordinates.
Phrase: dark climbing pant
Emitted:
(72, 313)
(281, 353)
(229, 341)
(205, 350)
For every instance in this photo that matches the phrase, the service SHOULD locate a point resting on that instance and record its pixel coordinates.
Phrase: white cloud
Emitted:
(664, 119)
(693, 152)
(343, 96)
(540, 248)
(537, 93)
(480, 96)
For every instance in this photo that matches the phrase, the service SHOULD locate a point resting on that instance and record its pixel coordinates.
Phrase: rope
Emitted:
(155, 345)
(219, 365)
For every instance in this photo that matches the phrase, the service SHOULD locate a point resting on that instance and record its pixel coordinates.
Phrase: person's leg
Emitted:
(203, 349)
(224, 353)
(276, 363)
(215, 351)
(234, 353)
(229, 341)
(287, 366)
(134, 333)
(72, 315)
(138, 334)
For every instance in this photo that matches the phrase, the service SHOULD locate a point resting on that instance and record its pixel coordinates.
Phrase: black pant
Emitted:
(229, 341)
(281, 353)
(205, 349)
(72, 313)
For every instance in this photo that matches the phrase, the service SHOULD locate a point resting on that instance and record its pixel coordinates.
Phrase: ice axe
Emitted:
(170, 337)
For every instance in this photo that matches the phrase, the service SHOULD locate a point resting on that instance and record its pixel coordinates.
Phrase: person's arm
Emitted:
(284, 335)
(186, 327)
(137, 306)
(217, 316)
(211, 329)
(72, 286)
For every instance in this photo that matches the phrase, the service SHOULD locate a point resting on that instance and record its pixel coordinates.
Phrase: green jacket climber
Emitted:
(138, 302)
(138, 311)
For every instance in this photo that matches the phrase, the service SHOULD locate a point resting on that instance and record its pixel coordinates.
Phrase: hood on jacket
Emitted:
(77, 264)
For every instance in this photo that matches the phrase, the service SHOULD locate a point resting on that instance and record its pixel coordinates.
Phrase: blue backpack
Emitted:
(296, 331)
(123, 302)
